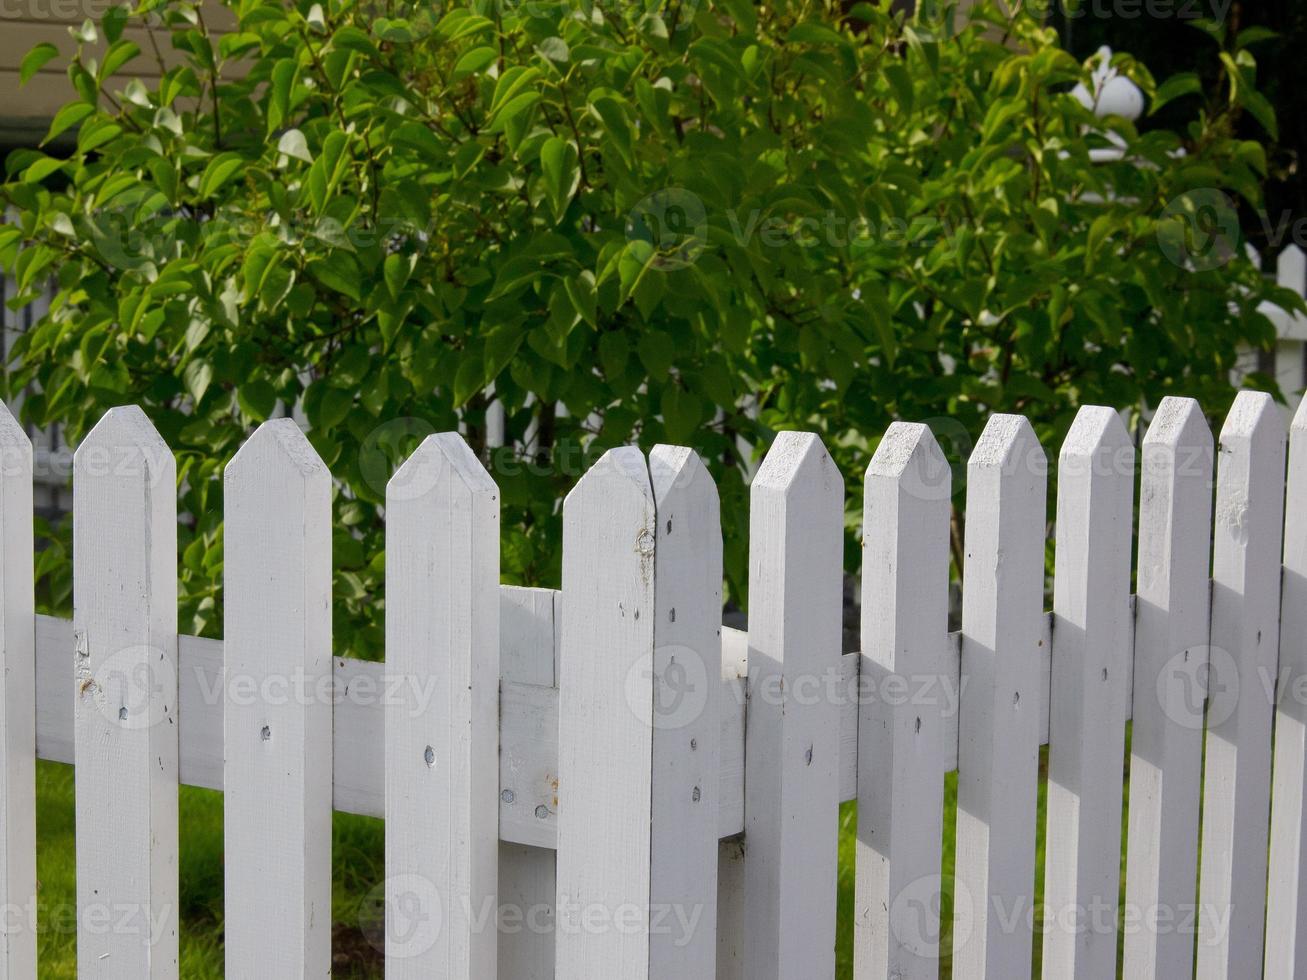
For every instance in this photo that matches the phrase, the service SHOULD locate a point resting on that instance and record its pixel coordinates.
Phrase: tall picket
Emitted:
(1286, 904)
(605, 738)
(442, 725)
(1242, 661)
(792, 740)
(1170, 664)
(17, 706)
(125, 671)
(277, 777)
(686, 679)
(905, 574)
(999, 724)
(1090, 688)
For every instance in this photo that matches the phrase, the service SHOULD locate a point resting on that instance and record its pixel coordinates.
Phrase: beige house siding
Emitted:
(25, 111)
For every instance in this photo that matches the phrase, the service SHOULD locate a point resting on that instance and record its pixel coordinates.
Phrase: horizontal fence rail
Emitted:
(657, 794)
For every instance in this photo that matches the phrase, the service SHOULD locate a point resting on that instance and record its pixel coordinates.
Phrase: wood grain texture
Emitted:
(791, 755)
(684, 687)
(1170, 662)
(442, 730)
(1092, 633)
(905, 573)
(1246, 556)
(278, 711)
(125, 694)
(1001, 711)
(605, 739)
(17, 706)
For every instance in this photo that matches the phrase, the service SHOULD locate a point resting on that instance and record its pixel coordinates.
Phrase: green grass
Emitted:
(358, 849)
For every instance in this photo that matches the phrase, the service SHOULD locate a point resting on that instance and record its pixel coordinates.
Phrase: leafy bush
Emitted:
(688, 222)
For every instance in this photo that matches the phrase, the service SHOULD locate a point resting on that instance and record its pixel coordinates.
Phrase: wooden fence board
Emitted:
(277, 723)
(1170, 662)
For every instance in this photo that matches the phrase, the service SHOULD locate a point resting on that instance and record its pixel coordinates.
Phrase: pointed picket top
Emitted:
(1291, 269)
(1254, 416)
(1299, 424)
(1094, 429)
(796, 461)
(124, 443)
(1007, 446)
(623, 466)
(1178, 423)
(279, 443)
(12, 436)
(440, 454)
(679, 468)
(909, 456)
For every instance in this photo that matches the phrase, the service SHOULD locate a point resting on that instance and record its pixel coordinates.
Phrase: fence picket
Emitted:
(605, 744)
(527, 874)
(442, 751)
(999, 723)
(1170, 661)
(905, 571)
(1089, 690)
(1242, 661)
(792, 742)
(1286, 904)
(277, 772)
(17, 705)
(686, 681)
(125, 626)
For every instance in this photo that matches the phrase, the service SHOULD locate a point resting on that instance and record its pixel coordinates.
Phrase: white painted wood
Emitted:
(998, 745)
(1286, 904)
(1090, 687)
(527, 874)
(792, 732)
(1170, 663)
(1242, 662)
(605, 740)
(277, 723)
(905, 578)
(442, 751)
(685, 712)
(1291, 273)
(528, 729)
(730, 909)
(730, 850)
(17, 706)
(125, 676)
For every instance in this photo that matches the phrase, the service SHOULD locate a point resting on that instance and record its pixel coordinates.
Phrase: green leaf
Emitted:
(1175, 87)
(219, 170)
(474, 62)
(67, 117)
(41, 169)
(340, 272)
(558, 160)
(656, 352)
(119, 53)
(34, 60)
(293, 144)
(257, 399)
(197, 375)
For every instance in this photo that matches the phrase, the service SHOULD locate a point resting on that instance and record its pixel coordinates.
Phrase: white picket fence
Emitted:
(606, 783)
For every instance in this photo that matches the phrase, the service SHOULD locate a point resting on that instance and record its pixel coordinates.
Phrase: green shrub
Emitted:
(696, 222)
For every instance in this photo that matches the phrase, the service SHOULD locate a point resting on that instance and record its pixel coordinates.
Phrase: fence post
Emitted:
(999, 723)
(17, 705)
(1089, 694)
(792, 731)
(1286, 905)
(125, 629)
(686, 683)
(442, 730)
(605, 741)
(1170, 664)
(905, 581)
(1242, 661)
(277, 776)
